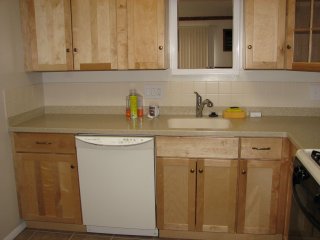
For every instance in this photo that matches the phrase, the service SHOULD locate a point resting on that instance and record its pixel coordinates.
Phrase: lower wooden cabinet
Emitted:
(238, 195)
(197, 184)
(258, 196)
(196, 195)
(47, 178)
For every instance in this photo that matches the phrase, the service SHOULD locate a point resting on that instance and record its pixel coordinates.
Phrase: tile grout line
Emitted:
(73, 233)
(30, 238)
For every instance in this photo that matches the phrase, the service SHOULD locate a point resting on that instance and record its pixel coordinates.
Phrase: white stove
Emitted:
(310, 161)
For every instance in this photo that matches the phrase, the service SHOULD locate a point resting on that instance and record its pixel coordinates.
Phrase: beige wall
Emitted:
(250, 88)
(20, 90)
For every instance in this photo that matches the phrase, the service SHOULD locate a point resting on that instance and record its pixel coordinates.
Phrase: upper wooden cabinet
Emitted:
(46, 26)
(94, 34)
(146, 34)
(303, 35)
(265, 34)
(62, 35)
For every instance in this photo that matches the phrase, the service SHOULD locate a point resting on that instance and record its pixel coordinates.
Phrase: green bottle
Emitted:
(133, 104)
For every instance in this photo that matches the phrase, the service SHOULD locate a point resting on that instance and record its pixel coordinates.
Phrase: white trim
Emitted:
(173, 34)
(15, 232)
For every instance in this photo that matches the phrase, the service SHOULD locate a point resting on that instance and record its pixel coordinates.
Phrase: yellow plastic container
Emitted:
(234, 112)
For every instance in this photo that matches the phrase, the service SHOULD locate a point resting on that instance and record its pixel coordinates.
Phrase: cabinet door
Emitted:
(46, 26)
(303, 35)
(216, 195)
(258, 196)
(176, 186)
(265, 34)
(48, 187)
(94, 34)
(146, 34)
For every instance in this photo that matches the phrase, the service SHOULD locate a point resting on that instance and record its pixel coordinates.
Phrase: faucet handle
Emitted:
(198, 96)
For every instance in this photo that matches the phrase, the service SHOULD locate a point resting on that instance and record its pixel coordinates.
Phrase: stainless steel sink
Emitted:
(199, 123)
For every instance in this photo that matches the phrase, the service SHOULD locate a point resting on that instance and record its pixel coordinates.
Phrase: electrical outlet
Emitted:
(153, 91)
(314, 92)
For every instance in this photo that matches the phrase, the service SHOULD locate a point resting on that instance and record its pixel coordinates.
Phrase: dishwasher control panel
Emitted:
(113, 140)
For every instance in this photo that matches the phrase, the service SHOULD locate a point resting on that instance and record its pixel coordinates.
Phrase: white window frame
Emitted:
(173, 34)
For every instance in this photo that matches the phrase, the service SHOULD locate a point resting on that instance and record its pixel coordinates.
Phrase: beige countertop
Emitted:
(304, 132)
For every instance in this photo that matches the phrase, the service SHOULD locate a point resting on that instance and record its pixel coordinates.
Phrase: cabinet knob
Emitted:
(160, 47)
(249, 46)
(288, 47)
(75, 50)
(200, 170)
(72, 166)
(68, 50)
(192, 170)
(243, 172)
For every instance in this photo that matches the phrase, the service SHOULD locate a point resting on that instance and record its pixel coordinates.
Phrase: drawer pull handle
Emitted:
(192, 170)
(200, 170)
(43, 143)
(261, 149)
(243, 172)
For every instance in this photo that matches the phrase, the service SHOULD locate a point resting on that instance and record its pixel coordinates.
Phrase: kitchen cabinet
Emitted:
(63, 35)
(265, 25)
(46, 27)
(94, 31)
(197, 183)
(303, 35)
(147, 34)
(259, 186)
(47, 178)
(204, 191)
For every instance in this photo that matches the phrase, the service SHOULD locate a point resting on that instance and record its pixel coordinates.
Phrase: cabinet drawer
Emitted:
(261, 148)
(44, 142)
(197, 147)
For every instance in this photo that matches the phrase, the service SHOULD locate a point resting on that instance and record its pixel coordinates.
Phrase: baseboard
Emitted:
(15, 232)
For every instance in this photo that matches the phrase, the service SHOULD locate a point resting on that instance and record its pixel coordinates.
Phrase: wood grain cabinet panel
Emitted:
(261, 148)
(64, 35)
(176, 186)
(265, 22)
(258, 196)
(216, 195)
(261, 190)
(47, 177)
(46, 26)
(147, 47)
(94, 28)
(44, 142)
(197, 147)
(196, 194)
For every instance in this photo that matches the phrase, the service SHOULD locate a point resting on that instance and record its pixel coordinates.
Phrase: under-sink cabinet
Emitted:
(217, 188)
(47, 179)
(195, 177)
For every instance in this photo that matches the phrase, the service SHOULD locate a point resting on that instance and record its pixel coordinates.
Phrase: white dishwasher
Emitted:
(117, 184)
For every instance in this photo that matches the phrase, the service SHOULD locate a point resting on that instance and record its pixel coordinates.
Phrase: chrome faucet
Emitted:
(200, 104)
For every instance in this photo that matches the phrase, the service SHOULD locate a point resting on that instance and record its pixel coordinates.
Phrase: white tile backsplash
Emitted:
(179, 93)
